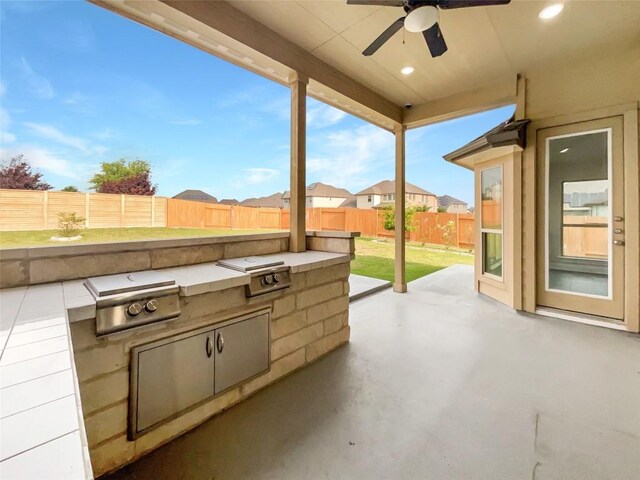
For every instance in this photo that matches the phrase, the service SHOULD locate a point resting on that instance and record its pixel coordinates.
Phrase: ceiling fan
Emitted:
(421, 16)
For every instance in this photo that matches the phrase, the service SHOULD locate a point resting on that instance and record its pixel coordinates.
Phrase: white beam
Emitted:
(297, 242)
(400, 280)
(462, 104)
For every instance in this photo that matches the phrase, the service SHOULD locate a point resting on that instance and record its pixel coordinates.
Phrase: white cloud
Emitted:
(105, 134)
(99, 150)
(52, 133)
(345, 158)
(320, 115)
(5, 121)
(75, 98)
(6, 137)
(254, 176)
(43, 159)
(40, 86)
(186, 121)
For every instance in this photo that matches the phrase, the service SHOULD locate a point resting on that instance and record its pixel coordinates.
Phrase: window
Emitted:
(491, 220)
(369, 198)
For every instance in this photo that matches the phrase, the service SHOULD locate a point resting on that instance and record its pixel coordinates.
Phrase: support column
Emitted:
(298, 84)
(400, 280)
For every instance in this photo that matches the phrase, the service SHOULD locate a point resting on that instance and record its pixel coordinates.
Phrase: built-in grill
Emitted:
(130, 300)
(267, 274)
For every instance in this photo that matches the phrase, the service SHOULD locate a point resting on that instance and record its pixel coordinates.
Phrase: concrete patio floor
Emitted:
(361, 286)
(438, 383)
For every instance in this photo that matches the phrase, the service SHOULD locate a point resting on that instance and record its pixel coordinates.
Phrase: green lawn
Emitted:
(374, 258)
(101, 235)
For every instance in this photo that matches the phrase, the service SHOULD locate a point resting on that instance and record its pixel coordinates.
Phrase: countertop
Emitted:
(41, 428)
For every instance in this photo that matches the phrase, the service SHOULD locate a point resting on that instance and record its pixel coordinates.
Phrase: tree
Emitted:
(122, 176)
(70, 188)
(18, 175)
(389, 217)
(138, 185)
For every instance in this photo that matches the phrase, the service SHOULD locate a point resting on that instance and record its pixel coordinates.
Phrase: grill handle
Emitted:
(220, 343)
(209, 347)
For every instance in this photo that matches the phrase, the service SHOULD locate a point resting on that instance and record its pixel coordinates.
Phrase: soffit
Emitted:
(486, 44)
(488, 47)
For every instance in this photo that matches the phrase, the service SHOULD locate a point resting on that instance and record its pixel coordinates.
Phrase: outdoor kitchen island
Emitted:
(132, 407)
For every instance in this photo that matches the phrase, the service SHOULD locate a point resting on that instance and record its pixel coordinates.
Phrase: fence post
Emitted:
(122, 210)
(45, 207)
(153, 211)
(86, 209)
(458, 230)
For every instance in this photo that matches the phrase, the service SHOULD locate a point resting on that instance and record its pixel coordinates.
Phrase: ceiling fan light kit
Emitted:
(422, 16)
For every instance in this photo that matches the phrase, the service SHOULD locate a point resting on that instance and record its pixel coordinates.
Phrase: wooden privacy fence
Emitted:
(443, 228)
(590, 240)
(38, 210)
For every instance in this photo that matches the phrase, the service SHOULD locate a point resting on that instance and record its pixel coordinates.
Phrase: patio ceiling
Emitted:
(488, 48)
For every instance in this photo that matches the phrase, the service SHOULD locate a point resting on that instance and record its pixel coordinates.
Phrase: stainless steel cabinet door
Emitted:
(172, 377)
(241, 351)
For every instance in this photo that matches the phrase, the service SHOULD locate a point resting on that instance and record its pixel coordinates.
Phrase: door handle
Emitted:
(220, 343)
(209, 347)
(620, 243)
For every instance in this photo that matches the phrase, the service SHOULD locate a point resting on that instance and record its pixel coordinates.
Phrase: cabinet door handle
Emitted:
(209, 347)
(220, 343)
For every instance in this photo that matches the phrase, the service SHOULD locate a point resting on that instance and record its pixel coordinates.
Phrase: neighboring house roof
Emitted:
(509, 132)
(447, 200)
(386, 187)
(319, 189)
(349, 203)
(196, 196)
(581, 199)
(272, 201)
(228, 201)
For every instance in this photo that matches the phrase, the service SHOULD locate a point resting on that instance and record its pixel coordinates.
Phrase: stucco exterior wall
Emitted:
(324, 202)
(456, 208)
(362, 201)
(600, 86)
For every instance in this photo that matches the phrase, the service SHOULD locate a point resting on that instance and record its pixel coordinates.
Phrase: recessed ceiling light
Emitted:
(564, 150)
(407, 70)
(551, 11)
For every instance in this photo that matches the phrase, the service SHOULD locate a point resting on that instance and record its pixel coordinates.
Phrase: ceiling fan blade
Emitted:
(435, 40)
(448, 4)
(384, 36)
(383, 3)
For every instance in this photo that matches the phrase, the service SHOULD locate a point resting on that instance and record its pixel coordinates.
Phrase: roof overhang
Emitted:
(506, 138)
(322, 41)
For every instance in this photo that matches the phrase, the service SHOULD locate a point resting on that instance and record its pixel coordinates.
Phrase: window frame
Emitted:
(499, 231)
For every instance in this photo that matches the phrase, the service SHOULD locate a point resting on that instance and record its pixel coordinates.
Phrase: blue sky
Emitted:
(81, 85)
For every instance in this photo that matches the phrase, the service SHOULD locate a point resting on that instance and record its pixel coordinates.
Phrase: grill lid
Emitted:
(127, 282)
(247, 264)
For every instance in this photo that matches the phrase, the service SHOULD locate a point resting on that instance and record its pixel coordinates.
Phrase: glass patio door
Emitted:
(580, 218)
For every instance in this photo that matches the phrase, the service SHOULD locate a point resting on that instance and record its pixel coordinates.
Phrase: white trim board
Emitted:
(581, 318)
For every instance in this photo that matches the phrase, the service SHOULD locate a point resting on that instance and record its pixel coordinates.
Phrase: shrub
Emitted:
(448, 233)
(389, 218)
(69, 223)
